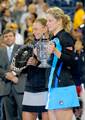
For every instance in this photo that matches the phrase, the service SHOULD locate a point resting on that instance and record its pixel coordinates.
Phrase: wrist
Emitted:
(57, 52)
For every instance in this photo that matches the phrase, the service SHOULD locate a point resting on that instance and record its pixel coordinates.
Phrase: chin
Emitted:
(50, 30)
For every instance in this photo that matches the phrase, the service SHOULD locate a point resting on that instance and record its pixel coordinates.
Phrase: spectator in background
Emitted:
(4, 4)
(39, 7)
(78, 15)
(44, 9)
(82, 28)
(28, 33)
(79, 50)
(78, 72)
(11, 88)
(19, 40)
(6, 18)
(18, 9)
(31, 10)
(5, 15)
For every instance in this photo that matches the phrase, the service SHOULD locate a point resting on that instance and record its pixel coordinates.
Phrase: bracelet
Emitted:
(55, 49)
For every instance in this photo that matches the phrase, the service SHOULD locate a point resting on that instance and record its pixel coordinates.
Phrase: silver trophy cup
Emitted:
(42, 53)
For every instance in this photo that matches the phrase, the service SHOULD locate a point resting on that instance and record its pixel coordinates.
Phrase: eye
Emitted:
(49, 20)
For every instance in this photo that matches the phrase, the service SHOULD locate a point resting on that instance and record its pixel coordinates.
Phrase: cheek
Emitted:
(35, 32)
(48, 24)
(37, 35)
(10, 40)
(6, 40)
(51, 27)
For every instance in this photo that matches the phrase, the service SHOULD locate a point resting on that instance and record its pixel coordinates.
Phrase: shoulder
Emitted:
(17, 46)
(81, 11)
(2, 49)
(66, 39)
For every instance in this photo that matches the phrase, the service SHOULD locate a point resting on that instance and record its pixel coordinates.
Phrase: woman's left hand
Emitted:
(32, 61)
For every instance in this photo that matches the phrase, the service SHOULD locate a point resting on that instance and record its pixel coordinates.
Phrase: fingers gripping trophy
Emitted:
(21, 57)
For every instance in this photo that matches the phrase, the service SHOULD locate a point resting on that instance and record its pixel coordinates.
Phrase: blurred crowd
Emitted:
(20, 15)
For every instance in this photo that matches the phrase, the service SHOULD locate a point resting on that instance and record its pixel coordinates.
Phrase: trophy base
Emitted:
(44, 65)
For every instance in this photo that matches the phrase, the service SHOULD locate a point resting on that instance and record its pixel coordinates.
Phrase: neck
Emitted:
(57, 30)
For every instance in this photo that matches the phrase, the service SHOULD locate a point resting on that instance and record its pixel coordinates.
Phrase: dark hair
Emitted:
(6, 31)
(79, 5)
(35, 15)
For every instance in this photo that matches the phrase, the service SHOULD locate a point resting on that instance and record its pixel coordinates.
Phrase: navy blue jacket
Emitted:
(78, 70)
(65, 78)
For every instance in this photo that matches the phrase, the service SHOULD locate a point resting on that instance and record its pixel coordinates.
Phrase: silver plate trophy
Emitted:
(19, 61)
(42, 52)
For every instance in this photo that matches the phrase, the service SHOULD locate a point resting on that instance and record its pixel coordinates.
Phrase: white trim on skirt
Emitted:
(35, 99)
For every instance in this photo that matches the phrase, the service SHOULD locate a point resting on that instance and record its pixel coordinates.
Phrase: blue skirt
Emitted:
(62, 97)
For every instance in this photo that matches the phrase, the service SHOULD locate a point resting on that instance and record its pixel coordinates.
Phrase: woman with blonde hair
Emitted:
(62, 95)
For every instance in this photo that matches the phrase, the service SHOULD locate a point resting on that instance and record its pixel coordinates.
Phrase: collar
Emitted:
(10, 47)
(58, 34)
